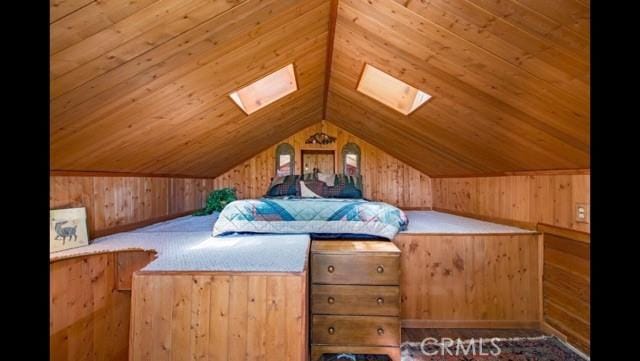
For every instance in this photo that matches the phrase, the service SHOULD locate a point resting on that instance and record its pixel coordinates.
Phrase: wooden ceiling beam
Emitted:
(333, 16)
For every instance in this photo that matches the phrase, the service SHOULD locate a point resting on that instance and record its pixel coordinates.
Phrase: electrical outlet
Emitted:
(582, 213)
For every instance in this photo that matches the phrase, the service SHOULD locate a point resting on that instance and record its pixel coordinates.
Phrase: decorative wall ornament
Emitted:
(320, 138)
(68, 229)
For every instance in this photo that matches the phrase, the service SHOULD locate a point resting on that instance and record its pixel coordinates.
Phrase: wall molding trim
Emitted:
(565, 232)
(411, 323)
(81, 173)
(579, 171)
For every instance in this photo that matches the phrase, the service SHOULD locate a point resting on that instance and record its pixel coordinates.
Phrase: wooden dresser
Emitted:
(355, 298)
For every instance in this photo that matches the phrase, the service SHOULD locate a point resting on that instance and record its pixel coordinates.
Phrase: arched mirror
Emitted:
(285, 160)
(351, 159)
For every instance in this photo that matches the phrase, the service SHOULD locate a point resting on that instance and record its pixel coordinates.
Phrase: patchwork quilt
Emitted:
(313, 216)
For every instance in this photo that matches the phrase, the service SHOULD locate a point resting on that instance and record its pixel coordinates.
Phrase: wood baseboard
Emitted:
(545, 327)
(470, 324)
(417, 208)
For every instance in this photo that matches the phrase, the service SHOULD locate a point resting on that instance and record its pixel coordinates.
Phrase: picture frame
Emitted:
(67, 229)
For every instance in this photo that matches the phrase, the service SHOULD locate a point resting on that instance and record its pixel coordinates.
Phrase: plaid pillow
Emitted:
(289, 187)
(345, 187)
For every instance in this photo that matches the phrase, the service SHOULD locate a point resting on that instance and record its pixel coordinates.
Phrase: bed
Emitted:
(318, 217)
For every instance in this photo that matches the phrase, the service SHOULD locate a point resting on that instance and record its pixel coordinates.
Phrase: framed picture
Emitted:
(67, 229)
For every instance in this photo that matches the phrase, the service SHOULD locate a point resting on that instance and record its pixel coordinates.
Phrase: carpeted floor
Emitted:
(537, 348)
(514, 345)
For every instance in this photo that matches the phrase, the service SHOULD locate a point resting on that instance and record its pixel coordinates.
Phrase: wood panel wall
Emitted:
(543, 198)
(567, 286)
(114, 202)
(385, 177)
(89, 316)
(216, 316)
(470, 280)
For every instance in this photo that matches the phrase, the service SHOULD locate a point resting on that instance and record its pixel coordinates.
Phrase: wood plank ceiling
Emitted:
(141, 86)
(509, 80)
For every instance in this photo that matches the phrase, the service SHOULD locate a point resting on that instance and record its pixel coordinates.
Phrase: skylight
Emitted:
(267, 90)
(390, 91)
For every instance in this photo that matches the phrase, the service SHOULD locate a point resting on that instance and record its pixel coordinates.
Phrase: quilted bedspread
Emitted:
(313, 216)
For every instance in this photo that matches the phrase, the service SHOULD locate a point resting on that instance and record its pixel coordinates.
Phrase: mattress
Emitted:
(432, 222)
(186, 244)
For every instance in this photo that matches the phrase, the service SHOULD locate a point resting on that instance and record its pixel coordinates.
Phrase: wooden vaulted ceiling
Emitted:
(509, 80)
(141, 86)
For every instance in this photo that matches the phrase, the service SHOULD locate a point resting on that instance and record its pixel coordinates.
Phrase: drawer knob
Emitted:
(380, 300)
(331, 300)
(380, 269)
(331, 269)
(380, 331)
(331, 330)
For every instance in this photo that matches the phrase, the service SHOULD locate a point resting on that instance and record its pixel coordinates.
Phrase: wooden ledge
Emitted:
(565, 232)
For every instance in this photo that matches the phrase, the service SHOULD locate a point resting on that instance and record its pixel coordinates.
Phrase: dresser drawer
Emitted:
(355, 269)
(355, 300)
(355, 330)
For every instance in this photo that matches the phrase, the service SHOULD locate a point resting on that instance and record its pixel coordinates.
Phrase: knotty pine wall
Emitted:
(567, 285)
(385, 177)
(467, 280)
(89, 308)
(114, 202)
(540, 198)
(219, 316)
